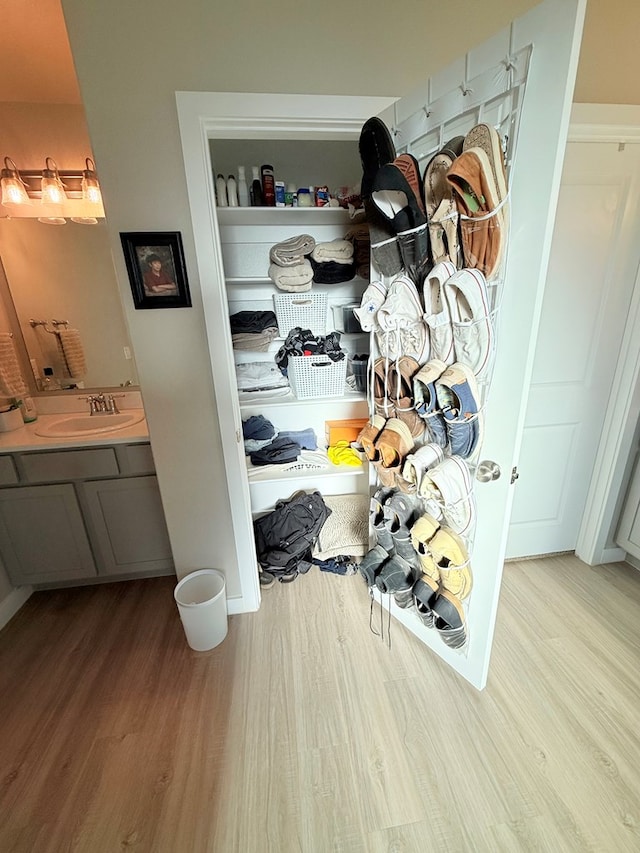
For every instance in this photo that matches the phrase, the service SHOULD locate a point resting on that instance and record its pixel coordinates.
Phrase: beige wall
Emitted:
(609, 69)
(131, 58)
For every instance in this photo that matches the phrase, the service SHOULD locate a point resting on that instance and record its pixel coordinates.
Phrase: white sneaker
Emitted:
(448, 486)
(473, 334)
(436, 312)
(403, 314)
(417, 463)
(371, 302)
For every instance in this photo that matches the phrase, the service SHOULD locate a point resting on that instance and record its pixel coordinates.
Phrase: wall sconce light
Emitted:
(63, 194)
(14, 189)
(52, 187)
(90, 192)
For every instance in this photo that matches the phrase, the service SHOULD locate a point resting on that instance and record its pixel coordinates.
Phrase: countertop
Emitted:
(26, 438)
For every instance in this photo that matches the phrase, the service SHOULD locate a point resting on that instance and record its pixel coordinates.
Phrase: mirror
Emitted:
(64, 273)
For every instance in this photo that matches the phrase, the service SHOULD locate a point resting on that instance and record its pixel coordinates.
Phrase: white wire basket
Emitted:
(313, 376)
(307, 310)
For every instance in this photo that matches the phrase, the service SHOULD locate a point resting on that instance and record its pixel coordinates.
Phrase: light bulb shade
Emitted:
(52, 189)
(52, 220)
(90, 186)
(13, 189)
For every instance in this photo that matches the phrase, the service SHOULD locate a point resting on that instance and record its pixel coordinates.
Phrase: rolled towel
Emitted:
(72, 352)
(334, 250)
(297, 278)
(291, 252)
(12, 382)
(333, 272)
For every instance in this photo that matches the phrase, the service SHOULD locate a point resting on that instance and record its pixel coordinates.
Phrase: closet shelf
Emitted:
(318, 474)
(286, 216)
(290, 400)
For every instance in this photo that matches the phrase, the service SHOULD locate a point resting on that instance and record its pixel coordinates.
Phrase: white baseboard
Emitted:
(612, 555)
(10, 605)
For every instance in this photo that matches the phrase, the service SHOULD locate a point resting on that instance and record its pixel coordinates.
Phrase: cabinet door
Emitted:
(42, 536)
(126, 522)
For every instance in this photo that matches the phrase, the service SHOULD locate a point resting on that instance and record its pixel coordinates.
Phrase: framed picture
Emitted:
(157, 274)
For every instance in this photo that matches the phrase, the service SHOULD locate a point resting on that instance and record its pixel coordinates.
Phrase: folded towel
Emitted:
(12, 382)
(346, 530)
(291, 252)
(72, 352)
(254, 342)
(334, 250)
(295, 279)
(260, 376)
(333, 272)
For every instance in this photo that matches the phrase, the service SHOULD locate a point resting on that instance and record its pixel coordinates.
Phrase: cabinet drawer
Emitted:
(54, 465)
(135, 459)
(8, 473)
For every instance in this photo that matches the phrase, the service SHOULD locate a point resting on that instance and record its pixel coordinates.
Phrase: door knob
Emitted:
(487, 471)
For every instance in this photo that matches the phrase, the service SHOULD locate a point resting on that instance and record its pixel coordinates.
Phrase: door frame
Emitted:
(595, 543)
(203, 116)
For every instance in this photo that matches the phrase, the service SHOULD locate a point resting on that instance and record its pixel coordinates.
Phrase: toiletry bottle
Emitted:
(291, 196)
(243, 192)
(27, 409)
(256, 188)
(268, 185)
(303, 197)
(221, 191)
(232, 191)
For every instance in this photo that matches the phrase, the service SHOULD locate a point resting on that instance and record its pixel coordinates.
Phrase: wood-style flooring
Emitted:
(304, 733)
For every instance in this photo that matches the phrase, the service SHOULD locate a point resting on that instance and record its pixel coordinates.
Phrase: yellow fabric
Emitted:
(341, 453)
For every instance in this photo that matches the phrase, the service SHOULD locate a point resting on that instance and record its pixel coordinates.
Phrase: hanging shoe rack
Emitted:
(494, 97)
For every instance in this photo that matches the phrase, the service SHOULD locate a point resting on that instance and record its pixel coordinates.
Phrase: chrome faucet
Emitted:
(101, 404)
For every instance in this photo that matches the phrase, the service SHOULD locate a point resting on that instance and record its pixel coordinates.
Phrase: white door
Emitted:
(594, 258)
(554, 30)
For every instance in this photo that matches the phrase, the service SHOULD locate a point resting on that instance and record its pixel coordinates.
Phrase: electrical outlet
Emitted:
(127, 353)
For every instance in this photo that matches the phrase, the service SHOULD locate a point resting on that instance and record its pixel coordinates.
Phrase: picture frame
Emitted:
(156, 269)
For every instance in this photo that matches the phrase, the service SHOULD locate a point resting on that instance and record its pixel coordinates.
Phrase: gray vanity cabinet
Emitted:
(82, 514)
(42, 535)
(127, 526)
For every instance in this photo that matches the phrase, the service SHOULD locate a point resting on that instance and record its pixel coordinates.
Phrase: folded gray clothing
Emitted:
(258, 342)
(251, 445)
(277, 451)
(297, 278)
(258, 427)
(333, 250)
(306, 438)
(259, 376)
(292, 251)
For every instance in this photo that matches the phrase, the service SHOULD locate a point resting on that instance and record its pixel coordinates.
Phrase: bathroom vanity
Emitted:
(76, 510)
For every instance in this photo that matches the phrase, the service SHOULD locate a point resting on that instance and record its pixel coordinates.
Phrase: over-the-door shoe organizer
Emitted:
(442, 199)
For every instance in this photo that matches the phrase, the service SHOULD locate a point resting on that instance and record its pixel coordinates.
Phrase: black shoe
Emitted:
(376, 149)
(397, 192)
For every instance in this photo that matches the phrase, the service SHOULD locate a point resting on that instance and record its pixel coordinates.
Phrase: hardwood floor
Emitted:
(303, 732)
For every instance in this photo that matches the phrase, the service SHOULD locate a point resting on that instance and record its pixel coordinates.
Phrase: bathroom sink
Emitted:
(73, 426)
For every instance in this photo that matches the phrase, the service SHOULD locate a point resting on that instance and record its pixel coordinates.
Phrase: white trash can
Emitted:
(202, 604)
